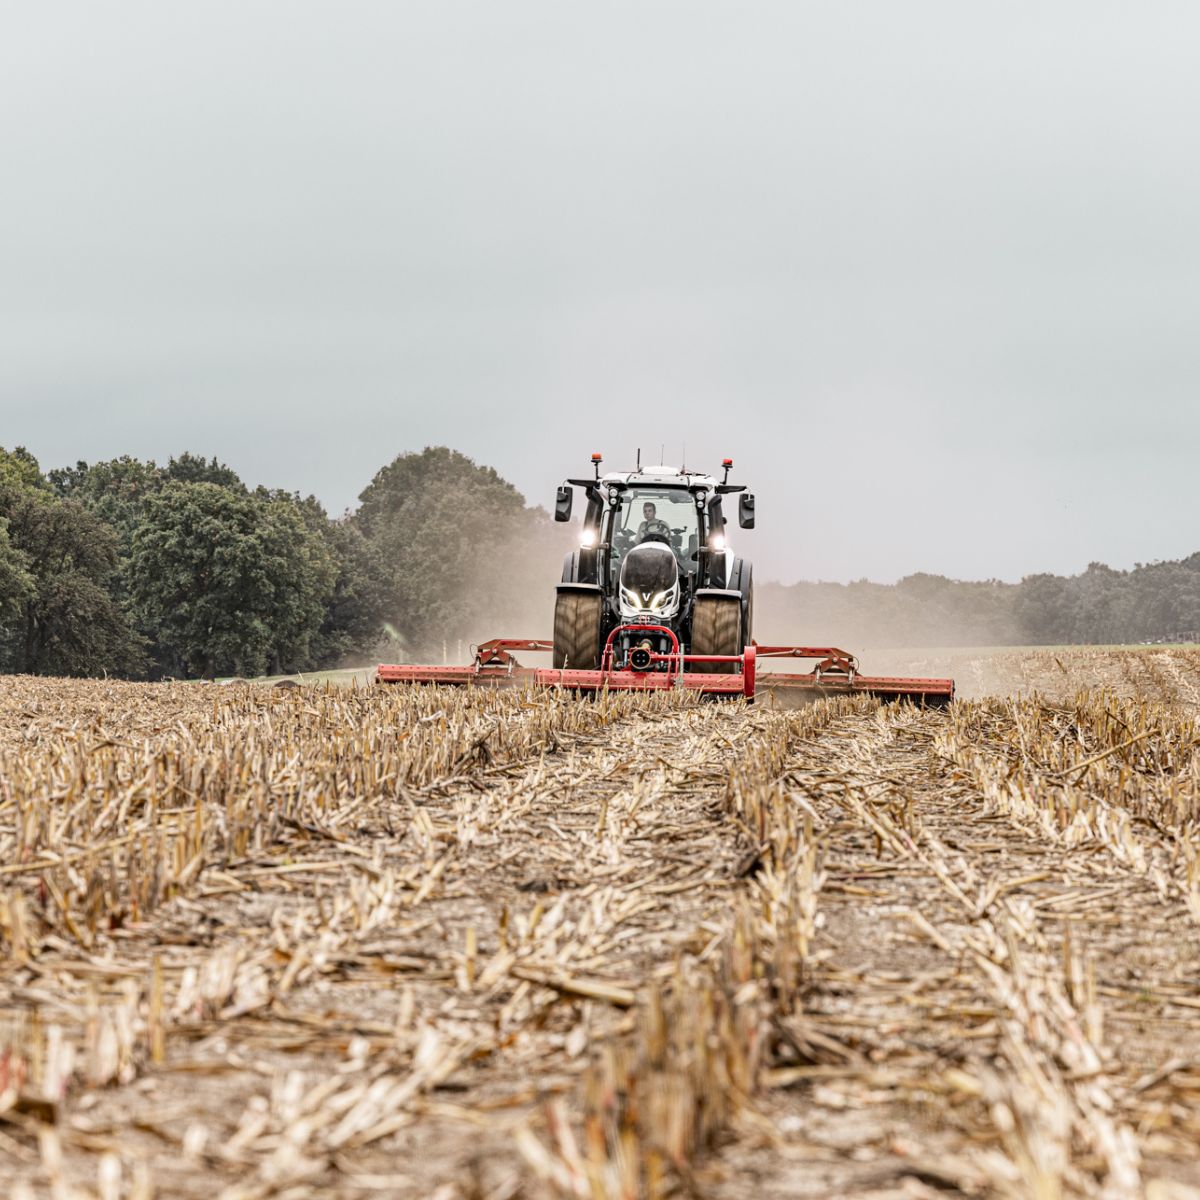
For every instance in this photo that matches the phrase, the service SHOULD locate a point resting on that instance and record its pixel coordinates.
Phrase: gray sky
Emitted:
(927, 271)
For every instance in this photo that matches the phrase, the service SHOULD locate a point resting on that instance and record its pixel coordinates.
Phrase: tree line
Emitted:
(147, 571)
(129, 568)
(1153, 602)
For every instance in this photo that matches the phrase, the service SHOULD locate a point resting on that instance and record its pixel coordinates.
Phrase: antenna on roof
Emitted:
(683, 462)
(639, 460)
(662, 453)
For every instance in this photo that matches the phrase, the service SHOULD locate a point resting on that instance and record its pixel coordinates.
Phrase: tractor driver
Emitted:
(651, 524)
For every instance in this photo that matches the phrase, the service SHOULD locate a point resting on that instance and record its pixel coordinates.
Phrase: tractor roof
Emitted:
(660, 476)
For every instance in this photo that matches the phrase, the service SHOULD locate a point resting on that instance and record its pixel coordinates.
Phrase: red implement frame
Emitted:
(836, 672)
(494, 666)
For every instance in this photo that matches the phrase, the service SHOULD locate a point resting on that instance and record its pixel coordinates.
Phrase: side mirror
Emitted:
(562, 503)
(746, 510)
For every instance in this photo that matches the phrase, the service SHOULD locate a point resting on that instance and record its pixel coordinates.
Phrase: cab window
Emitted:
(664, 515)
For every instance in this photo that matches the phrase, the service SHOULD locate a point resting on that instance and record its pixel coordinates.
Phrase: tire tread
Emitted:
(717, 629)
(576, 632)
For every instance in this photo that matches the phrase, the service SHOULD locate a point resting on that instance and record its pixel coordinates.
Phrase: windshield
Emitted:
(649, 514)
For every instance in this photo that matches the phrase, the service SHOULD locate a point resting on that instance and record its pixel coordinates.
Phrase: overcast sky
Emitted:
(928, 271)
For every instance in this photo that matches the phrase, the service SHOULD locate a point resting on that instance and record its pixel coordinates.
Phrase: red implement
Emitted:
(836, 673)
(494, 666)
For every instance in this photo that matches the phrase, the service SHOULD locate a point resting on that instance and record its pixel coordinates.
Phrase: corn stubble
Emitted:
(397, 941)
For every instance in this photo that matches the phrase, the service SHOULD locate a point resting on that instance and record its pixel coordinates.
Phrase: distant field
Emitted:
(1170, 673)
(343, 677)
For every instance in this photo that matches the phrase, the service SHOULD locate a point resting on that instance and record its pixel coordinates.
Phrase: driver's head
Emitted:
(648, 511)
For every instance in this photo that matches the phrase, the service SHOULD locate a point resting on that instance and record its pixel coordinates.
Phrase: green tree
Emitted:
(116, 490)
(57, 562)
(454, 551)
(19, 470)
(193, 468)
(16, 583)
(353, 621)
(230, 582)
(119, 489)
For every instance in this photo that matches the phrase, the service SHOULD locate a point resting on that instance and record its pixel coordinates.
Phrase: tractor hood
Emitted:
(650, 582)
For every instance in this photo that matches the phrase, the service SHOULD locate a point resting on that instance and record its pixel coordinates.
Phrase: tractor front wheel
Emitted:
(717, 629)
(577, 631)
(741, 579)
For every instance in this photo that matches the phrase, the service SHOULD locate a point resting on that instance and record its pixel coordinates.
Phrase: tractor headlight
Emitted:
(587, 539)
(717, 541)
(663, 601)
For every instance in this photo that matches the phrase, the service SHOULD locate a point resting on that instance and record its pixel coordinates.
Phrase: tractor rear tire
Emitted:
(717, 629)
(577, 631)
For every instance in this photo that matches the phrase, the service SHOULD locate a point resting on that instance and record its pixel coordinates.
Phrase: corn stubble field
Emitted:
(366, 942)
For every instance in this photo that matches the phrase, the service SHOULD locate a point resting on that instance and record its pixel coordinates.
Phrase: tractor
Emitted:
(654, 573)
